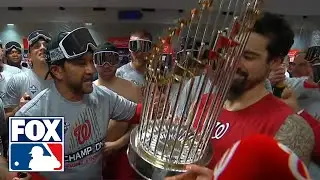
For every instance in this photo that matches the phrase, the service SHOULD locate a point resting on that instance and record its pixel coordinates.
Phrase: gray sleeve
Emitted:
(297, 85)
(3, 122)
(3, 127)
(12, 95)
(267, 85)
(119, 72)
(119, 107)
(19, 114)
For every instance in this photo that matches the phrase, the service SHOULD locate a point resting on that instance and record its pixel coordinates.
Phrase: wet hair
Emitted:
(142, 34)
(279, 33)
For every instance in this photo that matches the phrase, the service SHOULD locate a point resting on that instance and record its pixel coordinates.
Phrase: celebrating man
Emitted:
(24, 86)
(83, 104)
(140, 46)
(106, 59)
(13, 54)
(270, 40)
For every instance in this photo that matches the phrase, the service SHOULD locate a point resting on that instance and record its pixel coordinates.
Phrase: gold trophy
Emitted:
(175, 129)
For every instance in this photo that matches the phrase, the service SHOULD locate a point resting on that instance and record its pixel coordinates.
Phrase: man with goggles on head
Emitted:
(140, 45)
(74, 96)
(189, 55)
(13, 54)
(24, 86)
(106, 59)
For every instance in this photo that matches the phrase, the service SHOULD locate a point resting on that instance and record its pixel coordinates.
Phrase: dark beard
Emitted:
(239, 87)
(236, 90)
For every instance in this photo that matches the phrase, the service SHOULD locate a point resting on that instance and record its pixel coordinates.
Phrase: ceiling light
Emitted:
(88, 24)
(10, 24)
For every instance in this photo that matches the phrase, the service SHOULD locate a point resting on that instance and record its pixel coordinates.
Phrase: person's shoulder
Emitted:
(272, 101)
(12, 69)
(101, 92)
(96, 82)
(24, 69)
(274, 106)
(123, 68)
(22, 76)
(33, 107)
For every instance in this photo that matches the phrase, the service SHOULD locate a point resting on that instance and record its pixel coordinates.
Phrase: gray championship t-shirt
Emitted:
(85, 126)
(127, 72)
(5, 75)
(25, 82)
(24, 69)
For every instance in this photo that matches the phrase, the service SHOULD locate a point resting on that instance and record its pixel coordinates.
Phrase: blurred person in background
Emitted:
(300, 67)
(6, 175)
(140, 46)
(4, 169)
(301, 82)
(6, 72)
(269, 42)
(13, 54)
(23, 87)
(106, 59)
(193, 84)
(3, 128)
(83, 104)
(1, 52)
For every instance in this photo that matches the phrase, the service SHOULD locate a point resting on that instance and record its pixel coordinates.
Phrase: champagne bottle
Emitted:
(278, 89)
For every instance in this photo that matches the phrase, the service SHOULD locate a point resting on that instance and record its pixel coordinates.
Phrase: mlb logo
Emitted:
(36, 144)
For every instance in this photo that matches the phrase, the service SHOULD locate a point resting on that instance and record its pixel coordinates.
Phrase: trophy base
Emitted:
(149, 167)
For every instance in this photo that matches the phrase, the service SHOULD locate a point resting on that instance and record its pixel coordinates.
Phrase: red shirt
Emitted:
(264, 117)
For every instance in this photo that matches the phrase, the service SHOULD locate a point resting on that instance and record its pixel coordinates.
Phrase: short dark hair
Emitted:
(278, 31)
(142, 34)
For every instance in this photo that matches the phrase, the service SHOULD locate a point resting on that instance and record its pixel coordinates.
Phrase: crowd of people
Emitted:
(59, 81)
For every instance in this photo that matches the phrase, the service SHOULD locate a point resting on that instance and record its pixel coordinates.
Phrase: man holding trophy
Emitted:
(240, 57)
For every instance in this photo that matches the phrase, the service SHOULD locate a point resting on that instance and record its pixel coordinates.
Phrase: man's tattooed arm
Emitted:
(297, 135)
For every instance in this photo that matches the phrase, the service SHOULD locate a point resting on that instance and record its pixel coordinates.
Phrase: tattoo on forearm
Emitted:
(297, 135)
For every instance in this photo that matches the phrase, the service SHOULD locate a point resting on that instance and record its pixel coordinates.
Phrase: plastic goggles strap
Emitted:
(32, 40)
(13, 46)
(56, 54)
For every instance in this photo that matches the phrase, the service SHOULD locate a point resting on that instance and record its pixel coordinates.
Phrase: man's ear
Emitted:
(57, 71)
